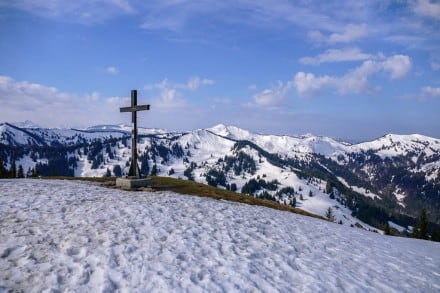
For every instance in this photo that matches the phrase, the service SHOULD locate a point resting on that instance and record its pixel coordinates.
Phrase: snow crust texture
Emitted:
(65, 235)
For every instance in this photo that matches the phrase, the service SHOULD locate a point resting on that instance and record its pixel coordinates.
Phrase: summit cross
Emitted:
(134, 108)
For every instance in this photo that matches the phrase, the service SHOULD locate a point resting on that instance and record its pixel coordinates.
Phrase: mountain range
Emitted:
(371, 184)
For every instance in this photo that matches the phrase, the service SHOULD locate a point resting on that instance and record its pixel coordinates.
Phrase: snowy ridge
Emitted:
(283, 144)
(392, 145)
(29, 133)
(26, 124)
(388, 145)
(75, 236)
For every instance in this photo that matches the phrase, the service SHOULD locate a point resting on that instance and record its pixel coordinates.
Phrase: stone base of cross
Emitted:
(134, 108)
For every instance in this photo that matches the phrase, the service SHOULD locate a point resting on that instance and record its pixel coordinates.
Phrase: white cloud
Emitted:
(26, 96)
(169, 97)
(427, 8)
(348, 34)
(252, 87)
(355, 81)
(434, 60)
(308, 83)
(274, 95)
(78, 11)
(431, 91)
(397, 65)
(222, 100)
(351, 33)
(48, 106)
(317, 37)
(95, 96)
(192, 84)
(112, 70)
(195, 82)
(337, 55)
(435, 65)
(118, 101)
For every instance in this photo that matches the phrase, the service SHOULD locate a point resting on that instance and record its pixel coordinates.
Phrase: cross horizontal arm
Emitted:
(135, 108)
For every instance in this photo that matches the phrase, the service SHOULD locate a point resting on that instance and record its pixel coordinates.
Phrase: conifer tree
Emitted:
(436, 235)
(293, 202)
(117, 170)
(3, 171)
(421, 228)
(154, 170)
(328, 187)
(387, 229)
(13, 170)
(20, 172)
(233, 187)
(329, 214)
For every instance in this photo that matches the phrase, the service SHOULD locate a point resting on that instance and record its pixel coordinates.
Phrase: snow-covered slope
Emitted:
(72, 236)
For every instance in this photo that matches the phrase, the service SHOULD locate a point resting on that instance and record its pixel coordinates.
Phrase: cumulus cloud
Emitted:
(169, 94)
(397, 65)
(429, 91)
(349, 33)
(336, 55)
(195, 82)
(274, 95)
(112, 70)
(355, 81)
(26, 96)
(427, 8)
(307, 83)
(23, 100)
(168, 97)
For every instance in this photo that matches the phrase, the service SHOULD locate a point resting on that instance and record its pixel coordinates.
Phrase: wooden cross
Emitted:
(134, 108)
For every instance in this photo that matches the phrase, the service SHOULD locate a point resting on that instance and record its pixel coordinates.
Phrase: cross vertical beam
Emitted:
(134, 170)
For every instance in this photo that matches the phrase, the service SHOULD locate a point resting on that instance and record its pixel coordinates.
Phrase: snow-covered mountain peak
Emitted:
(231, 131)
(26, 124)
(324, 145)
(13, 135)
(394, 144)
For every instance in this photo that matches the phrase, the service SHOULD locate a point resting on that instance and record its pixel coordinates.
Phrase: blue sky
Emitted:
(353, 70)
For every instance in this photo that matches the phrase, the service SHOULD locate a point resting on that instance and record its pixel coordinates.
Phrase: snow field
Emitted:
(66, 235)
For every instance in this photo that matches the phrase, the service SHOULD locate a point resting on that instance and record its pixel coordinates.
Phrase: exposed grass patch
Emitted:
(89, 179)
(198, 189)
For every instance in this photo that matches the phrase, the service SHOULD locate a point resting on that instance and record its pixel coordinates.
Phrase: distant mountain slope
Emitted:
(389, 179)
